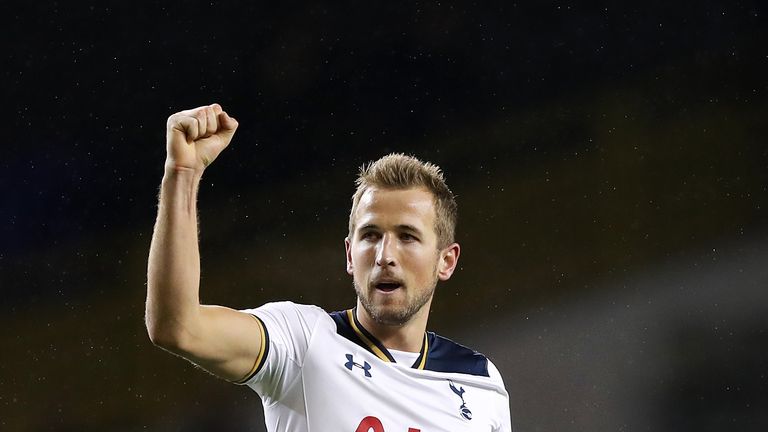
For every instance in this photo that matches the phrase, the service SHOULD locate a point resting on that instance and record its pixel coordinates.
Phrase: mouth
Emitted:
(387, 286)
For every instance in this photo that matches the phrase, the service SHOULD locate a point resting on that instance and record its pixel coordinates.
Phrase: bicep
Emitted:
(224, 341)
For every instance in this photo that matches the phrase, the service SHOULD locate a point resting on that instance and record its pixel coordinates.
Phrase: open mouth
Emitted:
(388, 286)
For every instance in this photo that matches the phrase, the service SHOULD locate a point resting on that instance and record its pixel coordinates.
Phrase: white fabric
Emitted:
(306, 387)
(404, 357)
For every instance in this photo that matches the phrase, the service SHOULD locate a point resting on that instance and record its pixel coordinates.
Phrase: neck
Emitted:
(408, 336)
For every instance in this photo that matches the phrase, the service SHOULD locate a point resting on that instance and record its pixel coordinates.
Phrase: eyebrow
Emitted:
(401, 227)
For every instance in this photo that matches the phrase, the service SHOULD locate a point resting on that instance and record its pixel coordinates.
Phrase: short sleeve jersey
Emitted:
(322, 372)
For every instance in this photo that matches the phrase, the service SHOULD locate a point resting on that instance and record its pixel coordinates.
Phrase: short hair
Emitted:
(399, 171)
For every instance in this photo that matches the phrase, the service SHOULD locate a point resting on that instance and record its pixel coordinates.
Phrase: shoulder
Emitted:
(445, 355)
(286, 308)
(494, 374)
(288, 314)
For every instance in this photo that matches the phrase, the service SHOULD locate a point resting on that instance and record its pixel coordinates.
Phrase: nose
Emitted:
(385, 254)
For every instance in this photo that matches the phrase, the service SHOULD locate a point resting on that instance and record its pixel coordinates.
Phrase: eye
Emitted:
(408, 237)
(369, 235)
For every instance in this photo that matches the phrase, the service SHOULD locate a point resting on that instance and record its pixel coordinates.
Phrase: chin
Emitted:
(391, 311)
(390, 317)
(385, 314)
(389, 314)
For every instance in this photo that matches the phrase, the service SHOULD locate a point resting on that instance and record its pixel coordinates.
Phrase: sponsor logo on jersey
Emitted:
(351, 363)
(463, 410)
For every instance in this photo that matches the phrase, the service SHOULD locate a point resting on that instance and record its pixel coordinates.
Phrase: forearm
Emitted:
(173, 275)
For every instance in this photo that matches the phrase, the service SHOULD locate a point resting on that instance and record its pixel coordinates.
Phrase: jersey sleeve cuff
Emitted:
(261, 358)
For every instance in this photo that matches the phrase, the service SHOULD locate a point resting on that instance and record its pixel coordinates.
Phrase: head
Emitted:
(397, 171)
(401, 237)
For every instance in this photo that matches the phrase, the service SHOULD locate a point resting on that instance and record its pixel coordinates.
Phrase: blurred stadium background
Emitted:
(610, 162)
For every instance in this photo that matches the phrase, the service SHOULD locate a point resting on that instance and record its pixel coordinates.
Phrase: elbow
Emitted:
(164, 336)
(161, 340)
(157, 336)
(171, 330)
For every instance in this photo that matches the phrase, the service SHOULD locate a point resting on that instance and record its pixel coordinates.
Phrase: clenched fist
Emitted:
(194, 138)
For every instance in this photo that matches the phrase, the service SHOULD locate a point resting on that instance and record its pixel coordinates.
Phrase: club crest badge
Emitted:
(465, 413)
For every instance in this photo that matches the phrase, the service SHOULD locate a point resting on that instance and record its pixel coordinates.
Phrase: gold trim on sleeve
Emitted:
(261, 357)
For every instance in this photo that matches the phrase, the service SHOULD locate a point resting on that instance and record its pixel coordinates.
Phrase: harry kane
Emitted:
(373, 367)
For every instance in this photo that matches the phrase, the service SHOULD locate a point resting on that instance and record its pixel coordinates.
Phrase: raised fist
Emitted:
(194, 138)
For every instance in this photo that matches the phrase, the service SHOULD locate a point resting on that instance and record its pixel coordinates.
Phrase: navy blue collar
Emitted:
(437, 353)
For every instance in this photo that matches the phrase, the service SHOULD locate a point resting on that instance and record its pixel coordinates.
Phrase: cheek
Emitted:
(361, 253)
(424, 263)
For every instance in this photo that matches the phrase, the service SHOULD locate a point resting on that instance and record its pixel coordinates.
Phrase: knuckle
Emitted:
(172, 120)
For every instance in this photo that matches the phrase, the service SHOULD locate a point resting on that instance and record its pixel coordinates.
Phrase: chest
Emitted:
(347, 388)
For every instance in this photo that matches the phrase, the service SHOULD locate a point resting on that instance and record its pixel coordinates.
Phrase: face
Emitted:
(393, 254)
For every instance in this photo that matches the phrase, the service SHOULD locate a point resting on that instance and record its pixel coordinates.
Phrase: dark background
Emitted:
(609, 160)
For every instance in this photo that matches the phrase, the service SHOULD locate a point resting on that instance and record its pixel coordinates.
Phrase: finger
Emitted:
(227, 123)
(191, 112)
(202, 122)
(184, 124)
(216, 109)
(211, 121)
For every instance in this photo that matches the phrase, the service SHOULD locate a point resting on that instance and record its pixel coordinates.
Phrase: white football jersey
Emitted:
(321, 372)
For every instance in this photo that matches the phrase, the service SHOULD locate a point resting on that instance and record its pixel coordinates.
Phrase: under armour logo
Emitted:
(365, 366)
(463, 410)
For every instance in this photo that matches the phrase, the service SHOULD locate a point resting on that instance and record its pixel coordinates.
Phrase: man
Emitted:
(370, 368)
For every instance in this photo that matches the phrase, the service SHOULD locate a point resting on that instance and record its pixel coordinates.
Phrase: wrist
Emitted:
(172, 171)
(178, 190)
(181, 180)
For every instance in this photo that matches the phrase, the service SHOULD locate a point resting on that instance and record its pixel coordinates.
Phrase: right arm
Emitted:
(221, 340)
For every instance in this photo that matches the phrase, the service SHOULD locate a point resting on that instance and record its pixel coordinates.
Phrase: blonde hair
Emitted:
(398, 171)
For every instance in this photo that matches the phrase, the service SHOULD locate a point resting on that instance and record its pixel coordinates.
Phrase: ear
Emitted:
(347, 247)
(449, 258)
